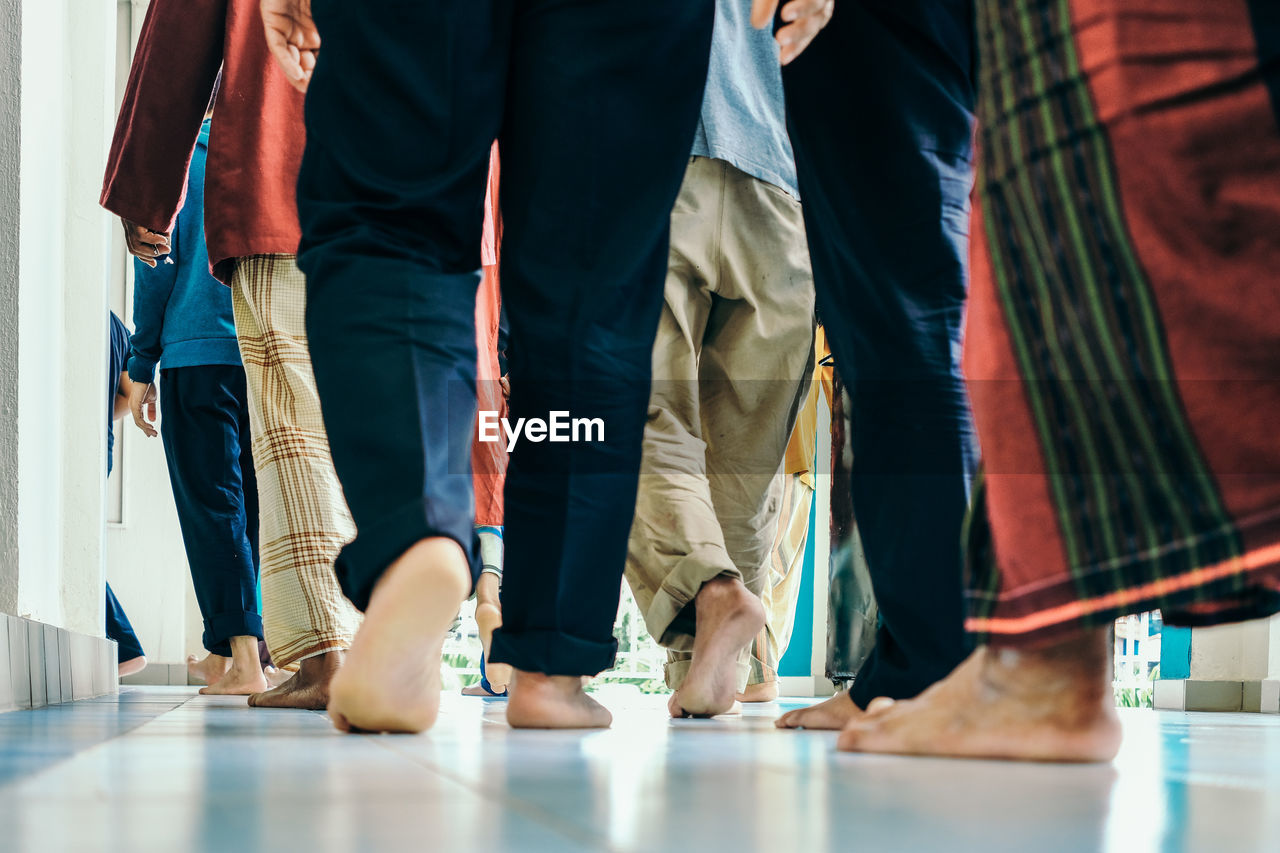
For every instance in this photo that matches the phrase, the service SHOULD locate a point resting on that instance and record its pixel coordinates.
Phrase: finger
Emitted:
(797, 9)
(794, 38)
(762, 12)
(148, 254)
(153, 238)
(285, 54)
(807, 18)
(305, 37)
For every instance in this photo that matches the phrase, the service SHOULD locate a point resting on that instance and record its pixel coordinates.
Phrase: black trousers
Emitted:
(594, 107)
(205, 428)
(121, 630)
(880, 110)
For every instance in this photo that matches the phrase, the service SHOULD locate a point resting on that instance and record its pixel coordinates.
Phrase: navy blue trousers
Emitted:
(205, 428)
(121, 630)
(594, 107)
(880, 109)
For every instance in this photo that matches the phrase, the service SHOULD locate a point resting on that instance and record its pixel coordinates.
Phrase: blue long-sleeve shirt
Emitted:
(182, 315)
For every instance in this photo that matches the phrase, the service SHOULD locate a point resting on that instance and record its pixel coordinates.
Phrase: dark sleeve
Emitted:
(152, 288)
(119, 352)
(174, 69)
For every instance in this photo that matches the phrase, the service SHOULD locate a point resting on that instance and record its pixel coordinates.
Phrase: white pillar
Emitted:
(65, 71)
(10, 166)
(91, 100)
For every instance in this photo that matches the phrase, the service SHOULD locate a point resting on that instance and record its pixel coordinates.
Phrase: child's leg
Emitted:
(129, 651)
(488, 606)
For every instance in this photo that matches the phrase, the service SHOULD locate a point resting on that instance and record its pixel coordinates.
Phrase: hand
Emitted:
(142, 402)
(802, 20)
(292, 38)
(144, 244)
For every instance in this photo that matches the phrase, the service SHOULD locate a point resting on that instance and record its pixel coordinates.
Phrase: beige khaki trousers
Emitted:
(734, 344)
(304, 518)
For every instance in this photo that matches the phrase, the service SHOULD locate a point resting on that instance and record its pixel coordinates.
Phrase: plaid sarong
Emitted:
(1123, 346)
(304, 521)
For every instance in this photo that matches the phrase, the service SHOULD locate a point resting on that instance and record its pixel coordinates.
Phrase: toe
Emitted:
(879, 704)
(850, 739)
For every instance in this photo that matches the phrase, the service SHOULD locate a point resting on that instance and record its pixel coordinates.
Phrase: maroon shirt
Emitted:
(256, 141)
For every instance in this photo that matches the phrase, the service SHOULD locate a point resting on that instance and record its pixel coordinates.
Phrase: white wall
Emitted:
(58, 64)
(146, 562)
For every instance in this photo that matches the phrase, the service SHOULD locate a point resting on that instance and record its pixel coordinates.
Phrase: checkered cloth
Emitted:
(305, 521)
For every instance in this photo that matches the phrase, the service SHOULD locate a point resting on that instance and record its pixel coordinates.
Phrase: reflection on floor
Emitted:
(163, 769)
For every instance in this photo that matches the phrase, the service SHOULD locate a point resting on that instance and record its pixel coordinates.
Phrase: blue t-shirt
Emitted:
(743, 118)
(182, 315)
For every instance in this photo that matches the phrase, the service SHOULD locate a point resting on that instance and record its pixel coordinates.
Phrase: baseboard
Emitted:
(45, 665)
(1260, 696)
(159, 674)
(805, 685)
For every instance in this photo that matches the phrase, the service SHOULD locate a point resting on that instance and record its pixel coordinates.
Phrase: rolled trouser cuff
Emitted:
(363, 560)
(219, 630)
(552, 652)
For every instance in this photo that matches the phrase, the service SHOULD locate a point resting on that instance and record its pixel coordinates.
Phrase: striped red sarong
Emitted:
(1123, 342)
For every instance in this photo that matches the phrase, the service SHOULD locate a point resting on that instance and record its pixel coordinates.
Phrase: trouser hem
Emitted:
(377, 546)
(219, 630)
(552, 652)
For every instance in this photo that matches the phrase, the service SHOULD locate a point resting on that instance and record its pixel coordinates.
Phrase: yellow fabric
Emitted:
(803, 444)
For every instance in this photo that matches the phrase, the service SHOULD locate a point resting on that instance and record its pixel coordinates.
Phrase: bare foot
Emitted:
(237, 682)
(308, 689)
(673, 707)
(208, 670)
(132, 665)
(728, 618)
(245, 675)
(390, 681)
(831, 714)
(478, 690)
(276, 677)
(1053, 704)
(553, 702)
(764, 692)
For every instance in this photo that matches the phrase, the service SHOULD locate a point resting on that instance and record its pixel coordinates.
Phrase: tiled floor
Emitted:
(162, 769)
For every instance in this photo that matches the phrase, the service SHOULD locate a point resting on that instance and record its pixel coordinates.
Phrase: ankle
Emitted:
(244, 654)
(541, 683)
(1079, 666)
(723, 588)
(322, 665)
